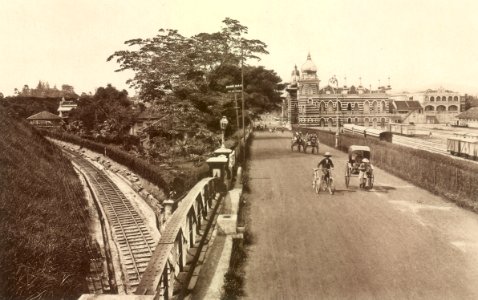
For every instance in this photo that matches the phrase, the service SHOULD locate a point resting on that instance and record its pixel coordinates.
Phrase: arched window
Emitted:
(438, 98)
(330, 107)
(374, 106)
(441, 108)
(366, 107)
(349, 120)
(450, 98)
(455, 98)
(383, 106)
(349, 107)
(452, 108)
(432, 98)
(331, 123)
(382, 122)
(429, 108)
(322, 123)
(374, 122)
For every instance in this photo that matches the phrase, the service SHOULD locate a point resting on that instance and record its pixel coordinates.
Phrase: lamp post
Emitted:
(223, 124)
(333, 81)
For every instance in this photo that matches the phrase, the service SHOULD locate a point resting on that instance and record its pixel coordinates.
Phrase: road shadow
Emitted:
(278, 136)
(382, 189)
(378, 189)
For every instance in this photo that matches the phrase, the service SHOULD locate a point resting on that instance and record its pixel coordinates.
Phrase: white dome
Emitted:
(309, 66)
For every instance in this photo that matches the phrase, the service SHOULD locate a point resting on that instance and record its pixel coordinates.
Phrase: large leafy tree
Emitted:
(108, 109)
(171, 61)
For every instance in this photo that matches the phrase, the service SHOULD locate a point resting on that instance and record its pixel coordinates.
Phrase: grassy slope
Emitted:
(42, 250)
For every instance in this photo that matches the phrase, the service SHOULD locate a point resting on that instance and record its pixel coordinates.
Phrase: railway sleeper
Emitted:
(139, 247)
(133, 239)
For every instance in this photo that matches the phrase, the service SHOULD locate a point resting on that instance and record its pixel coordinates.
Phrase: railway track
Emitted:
(134, 241)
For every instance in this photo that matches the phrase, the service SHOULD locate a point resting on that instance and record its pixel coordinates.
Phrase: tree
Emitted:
(108, 111)
(66, 90)
(25, 90)
(170, 61)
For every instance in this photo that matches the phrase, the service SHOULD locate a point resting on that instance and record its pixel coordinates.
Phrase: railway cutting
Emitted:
(130, 233)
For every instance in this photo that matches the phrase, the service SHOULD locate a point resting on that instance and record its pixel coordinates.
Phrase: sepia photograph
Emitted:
(227, 150)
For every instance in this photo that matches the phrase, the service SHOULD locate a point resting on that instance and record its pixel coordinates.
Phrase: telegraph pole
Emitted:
(242, 95)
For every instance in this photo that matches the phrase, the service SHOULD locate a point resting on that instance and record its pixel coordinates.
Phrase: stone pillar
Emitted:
(168, 208)
(217, 167)
(227, 153)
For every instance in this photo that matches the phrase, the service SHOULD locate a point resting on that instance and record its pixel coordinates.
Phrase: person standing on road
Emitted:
(364, 168)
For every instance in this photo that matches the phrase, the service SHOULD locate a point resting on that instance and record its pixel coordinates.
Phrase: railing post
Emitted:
(217, 166)
(168, 208)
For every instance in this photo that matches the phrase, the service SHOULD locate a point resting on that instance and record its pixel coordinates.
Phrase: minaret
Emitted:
(360, 87)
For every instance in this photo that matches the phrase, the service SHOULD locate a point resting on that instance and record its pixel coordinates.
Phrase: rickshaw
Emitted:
(313, 142)
(298, 140)
(356, 155)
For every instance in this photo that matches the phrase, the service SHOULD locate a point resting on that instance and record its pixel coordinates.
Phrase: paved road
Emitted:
(394, 242)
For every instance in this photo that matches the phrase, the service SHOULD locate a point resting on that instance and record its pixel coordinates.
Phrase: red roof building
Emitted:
(45, 119)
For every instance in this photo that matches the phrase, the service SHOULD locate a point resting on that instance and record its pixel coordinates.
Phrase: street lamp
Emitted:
(333, 81)
(223, 124)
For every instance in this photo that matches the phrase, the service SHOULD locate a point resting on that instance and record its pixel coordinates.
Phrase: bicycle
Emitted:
(323, 178)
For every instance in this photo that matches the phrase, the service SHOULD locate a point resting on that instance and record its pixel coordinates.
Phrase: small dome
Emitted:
(309, 66)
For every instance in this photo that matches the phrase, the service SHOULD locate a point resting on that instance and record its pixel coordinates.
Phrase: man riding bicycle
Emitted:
(326, 165)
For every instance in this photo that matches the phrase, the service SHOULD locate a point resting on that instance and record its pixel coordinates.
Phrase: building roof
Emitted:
(44, 115)
(471, 113)
(407, 105)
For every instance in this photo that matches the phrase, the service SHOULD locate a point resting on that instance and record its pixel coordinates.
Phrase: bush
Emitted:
(153, 173)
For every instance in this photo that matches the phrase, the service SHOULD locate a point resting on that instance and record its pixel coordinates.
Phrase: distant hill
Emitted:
(42, 229)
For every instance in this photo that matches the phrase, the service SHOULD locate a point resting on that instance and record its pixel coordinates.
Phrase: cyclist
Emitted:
(326, 165)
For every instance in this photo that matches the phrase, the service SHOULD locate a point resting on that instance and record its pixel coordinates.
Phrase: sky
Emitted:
(418, 44)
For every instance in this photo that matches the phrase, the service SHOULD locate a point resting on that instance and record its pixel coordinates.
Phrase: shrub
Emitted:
(151, 172)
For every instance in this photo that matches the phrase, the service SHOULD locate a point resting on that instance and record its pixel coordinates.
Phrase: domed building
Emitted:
(309, 105)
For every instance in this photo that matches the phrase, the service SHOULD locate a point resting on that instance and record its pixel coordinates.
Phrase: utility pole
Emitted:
(242, 95)
(333, 81)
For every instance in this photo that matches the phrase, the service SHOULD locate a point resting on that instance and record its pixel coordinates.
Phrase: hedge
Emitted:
(140, 166)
